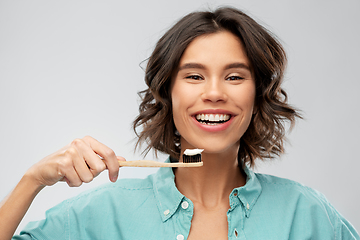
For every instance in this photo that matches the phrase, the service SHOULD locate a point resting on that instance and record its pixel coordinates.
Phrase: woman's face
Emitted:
(213, 93)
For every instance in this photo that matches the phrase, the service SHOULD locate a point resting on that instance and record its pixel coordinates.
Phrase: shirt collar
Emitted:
(250, 192)
(169, 198)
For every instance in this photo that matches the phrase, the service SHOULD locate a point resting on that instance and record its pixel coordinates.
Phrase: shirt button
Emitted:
(247, 206)
(180, 237)
(185, 205)
(166, 212)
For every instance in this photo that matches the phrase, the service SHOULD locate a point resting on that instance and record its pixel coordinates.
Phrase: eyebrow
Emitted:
(200, 66)
(237, 65)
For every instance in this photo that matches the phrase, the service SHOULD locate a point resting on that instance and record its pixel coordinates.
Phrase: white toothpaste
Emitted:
(192, 152)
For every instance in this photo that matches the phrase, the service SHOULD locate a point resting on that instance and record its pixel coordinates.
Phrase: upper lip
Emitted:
(214, 111)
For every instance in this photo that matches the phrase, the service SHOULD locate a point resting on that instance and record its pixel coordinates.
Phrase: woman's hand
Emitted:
(78, 162)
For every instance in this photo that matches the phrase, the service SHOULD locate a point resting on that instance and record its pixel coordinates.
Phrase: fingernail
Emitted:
(114, 178)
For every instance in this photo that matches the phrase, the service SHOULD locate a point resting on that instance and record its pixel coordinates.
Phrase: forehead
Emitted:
(216, 48)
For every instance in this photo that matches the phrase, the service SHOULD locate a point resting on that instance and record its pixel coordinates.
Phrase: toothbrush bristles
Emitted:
(192, 158)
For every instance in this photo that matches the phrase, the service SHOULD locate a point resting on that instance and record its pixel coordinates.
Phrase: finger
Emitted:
(94, 163)
(119, 158)
(87, 162)
(72, 178)
(108, 155)
(82, 169)
(70, 163)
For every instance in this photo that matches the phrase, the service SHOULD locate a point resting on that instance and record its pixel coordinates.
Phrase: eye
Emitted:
(234, 78)
(194, 77)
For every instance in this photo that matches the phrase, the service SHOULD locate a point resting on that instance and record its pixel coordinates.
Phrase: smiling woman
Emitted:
(262, 59)
(214, 83)
(213, 80)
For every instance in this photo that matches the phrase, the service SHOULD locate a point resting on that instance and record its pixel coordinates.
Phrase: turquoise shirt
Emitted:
(267, 207)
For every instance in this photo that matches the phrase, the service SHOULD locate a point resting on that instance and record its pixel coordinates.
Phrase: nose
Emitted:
(214, 91)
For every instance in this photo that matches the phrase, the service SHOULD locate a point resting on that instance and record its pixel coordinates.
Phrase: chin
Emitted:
(210, 144)
(216, 148)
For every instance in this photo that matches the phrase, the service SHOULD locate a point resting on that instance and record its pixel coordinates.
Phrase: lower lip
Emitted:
(213, 128)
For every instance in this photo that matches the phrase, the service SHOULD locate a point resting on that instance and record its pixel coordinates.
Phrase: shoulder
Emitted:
(127, 196)
(303, 206)
(113, 206)
(273, 182)
(291, 190)
(122, 189)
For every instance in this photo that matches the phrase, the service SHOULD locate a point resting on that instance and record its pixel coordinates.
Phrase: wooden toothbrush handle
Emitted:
(149, 163)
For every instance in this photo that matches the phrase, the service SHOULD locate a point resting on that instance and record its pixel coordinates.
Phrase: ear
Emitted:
(255, 108)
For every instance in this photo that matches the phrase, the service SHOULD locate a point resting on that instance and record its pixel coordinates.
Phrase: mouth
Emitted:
(212, 119)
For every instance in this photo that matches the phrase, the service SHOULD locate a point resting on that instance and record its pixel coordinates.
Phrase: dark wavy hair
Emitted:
(265, 135)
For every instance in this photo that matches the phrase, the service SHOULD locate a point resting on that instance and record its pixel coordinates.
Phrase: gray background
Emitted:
(71, 68)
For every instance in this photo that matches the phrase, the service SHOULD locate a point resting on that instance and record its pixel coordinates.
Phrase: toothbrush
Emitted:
(191, 158)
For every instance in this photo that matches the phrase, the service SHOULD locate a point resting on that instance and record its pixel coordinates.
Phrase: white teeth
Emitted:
(212, 117)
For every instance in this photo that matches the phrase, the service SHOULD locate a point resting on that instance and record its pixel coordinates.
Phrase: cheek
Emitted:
(177, 100)
(245, 98)
(175, 110)
(180, 96)
(183, 97)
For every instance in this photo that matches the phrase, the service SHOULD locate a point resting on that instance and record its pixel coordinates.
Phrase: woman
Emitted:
(214, 82)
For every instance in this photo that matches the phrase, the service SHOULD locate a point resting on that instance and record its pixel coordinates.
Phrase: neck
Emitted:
(212, 183)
